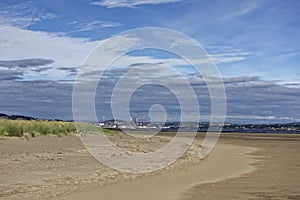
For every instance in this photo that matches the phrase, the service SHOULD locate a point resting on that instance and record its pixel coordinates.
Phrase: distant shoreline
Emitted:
(275, 128)
(223, 131)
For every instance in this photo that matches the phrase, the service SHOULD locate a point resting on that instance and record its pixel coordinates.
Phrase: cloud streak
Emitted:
(25, 63)
(8, 75)
(94, 25)
(131, 3)
(244, 9)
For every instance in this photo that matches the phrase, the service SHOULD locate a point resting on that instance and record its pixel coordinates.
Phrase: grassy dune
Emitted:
(23, 127)
(19, 128)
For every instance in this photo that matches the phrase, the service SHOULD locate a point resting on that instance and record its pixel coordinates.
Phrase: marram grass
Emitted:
(20, 128)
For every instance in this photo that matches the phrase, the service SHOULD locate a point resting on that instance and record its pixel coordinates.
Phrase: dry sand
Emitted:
(60, 168)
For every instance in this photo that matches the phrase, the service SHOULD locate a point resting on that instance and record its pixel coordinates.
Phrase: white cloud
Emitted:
(22, 15)
(17, 43)
(130, 3)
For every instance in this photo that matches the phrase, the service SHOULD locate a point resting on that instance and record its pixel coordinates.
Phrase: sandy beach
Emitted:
(276, 175)
(242, 166)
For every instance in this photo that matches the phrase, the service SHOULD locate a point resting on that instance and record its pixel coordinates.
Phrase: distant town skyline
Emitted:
(255, 45)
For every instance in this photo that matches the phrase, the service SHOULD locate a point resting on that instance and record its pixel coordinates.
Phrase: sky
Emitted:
(254, 44)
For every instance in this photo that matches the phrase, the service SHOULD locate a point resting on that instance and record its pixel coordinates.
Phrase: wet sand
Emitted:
(276, 175)
(171, 185)
(60, 168)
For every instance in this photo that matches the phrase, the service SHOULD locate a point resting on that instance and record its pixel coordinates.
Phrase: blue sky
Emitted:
(255, 45)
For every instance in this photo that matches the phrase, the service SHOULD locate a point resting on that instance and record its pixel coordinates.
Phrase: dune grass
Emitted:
(19, 128)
